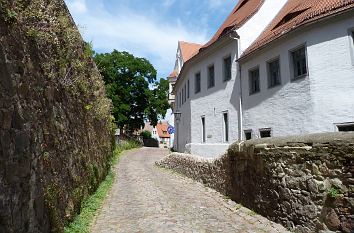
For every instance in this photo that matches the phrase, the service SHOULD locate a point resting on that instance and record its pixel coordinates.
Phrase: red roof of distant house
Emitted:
(162, 130)
(173, 74)
(242, 12)
(188, 50)
(294, 14)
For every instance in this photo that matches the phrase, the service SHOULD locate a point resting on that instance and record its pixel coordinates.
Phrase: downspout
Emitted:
(236, 37)
(240, 115)
(240, 110)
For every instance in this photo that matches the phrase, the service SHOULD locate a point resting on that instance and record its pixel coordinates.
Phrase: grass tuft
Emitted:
(83, 221)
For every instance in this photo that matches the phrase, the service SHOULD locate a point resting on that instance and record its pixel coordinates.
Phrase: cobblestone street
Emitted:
(146, 198)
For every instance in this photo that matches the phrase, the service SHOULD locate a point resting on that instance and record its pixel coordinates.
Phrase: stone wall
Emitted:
(214, 173)
(306, 183)
(55, 126)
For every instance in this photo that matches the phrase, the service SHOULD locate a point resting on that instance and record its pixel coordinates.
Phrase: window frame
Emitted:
(265, 130)
(268, 72)
(224, 68)
(209, 76)
(188, 88)
(292, 63)
(251, 92)
(197, 76)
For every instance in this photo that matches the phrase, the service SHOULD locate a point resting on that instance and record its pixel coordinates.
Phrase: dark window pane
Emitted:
(227, 69)
(265, 133)
(226, 127)
(197, 83)
(248, 135)
(274, 73)
(299, 62)
(203, 128)
(188, 89)
(345, 128)
(254, 81)
(211, 77)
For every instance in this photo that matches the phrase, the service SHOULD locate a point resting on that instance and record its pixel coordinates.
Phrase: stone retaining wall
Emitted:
(306, 183)
(214, 173)
(55, 124)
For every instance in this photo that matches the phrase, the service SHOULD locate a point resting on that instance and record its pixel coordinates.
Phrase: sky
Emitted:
(148, 28)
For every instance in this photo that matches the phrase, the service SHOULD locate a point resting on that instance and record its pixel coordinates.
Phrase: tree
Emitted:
(127, 79)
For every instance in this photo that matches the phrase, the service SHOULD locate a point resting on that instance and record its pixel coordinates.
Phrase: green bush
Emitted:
(146, 134)
(82, 222)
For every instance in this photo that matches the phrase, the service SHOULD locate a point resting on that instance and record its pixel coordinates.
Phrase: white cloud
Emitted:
(168, 3)
(138, 34)
(215, 3)
(77, 6)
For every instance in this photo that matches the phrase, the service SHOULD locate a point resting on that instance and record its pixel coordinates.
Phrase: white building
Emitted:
(205, 89)
(184, 52)
(301, 81)
(284, 83)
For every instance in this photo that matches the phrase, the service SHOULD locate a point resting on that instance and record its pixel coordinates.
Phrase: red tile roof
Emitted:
(243, 11)
(174, 74)
(162, 130)
(294, 14)
(188, 50)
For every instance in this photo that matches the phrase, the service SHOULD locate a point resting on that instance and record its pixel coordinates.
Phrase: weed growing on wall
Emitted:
(91, 205)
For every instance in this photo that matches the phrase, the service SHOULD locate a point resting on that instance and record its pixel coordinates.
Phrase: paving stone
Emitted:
(145, 198)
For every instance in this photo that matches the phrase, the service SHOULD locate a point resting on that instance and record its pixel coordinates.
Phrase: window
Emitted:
(180, 99)
(265, 133)
(188, 89)
(182, 96)
(185, 92)
(226, 126)
(248, 134)
(345, 127)
(299, 63)
(254, 81)
(227, 69)
(211, 76)
(353, 38)
(197, 83)
(274, 73)
(203, 129)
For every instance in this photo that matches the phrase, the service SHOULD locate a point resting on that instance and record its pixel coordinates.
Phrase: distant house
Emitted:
(163, 135)
(274, 68)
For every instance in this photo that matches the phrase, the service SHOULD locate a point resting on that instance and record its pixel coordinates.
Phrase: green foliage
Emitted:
(89, 208)
(127, 80)
(146, 134)
(158, 101)
(10, 16)
(333, 192)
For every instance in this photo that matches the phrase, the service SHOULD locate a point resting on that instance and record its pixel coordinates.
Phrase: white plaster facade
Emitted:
(212, 103)
(311, 104)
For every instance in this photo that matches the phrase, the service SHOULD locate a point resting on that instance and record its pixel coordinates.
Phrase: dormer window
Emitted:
(241, 5)
(289, 17)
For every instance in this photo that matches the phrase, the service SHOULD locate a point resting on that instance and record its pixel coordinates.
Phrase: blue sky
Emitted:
(148, 28)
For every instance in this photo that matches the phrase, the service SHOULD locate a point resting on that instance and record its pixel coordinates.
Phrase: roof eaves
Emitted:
(286, 32)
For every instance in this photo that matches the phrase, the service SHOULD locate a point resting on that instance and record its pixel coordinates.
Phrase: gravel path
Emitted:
(146, 198)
